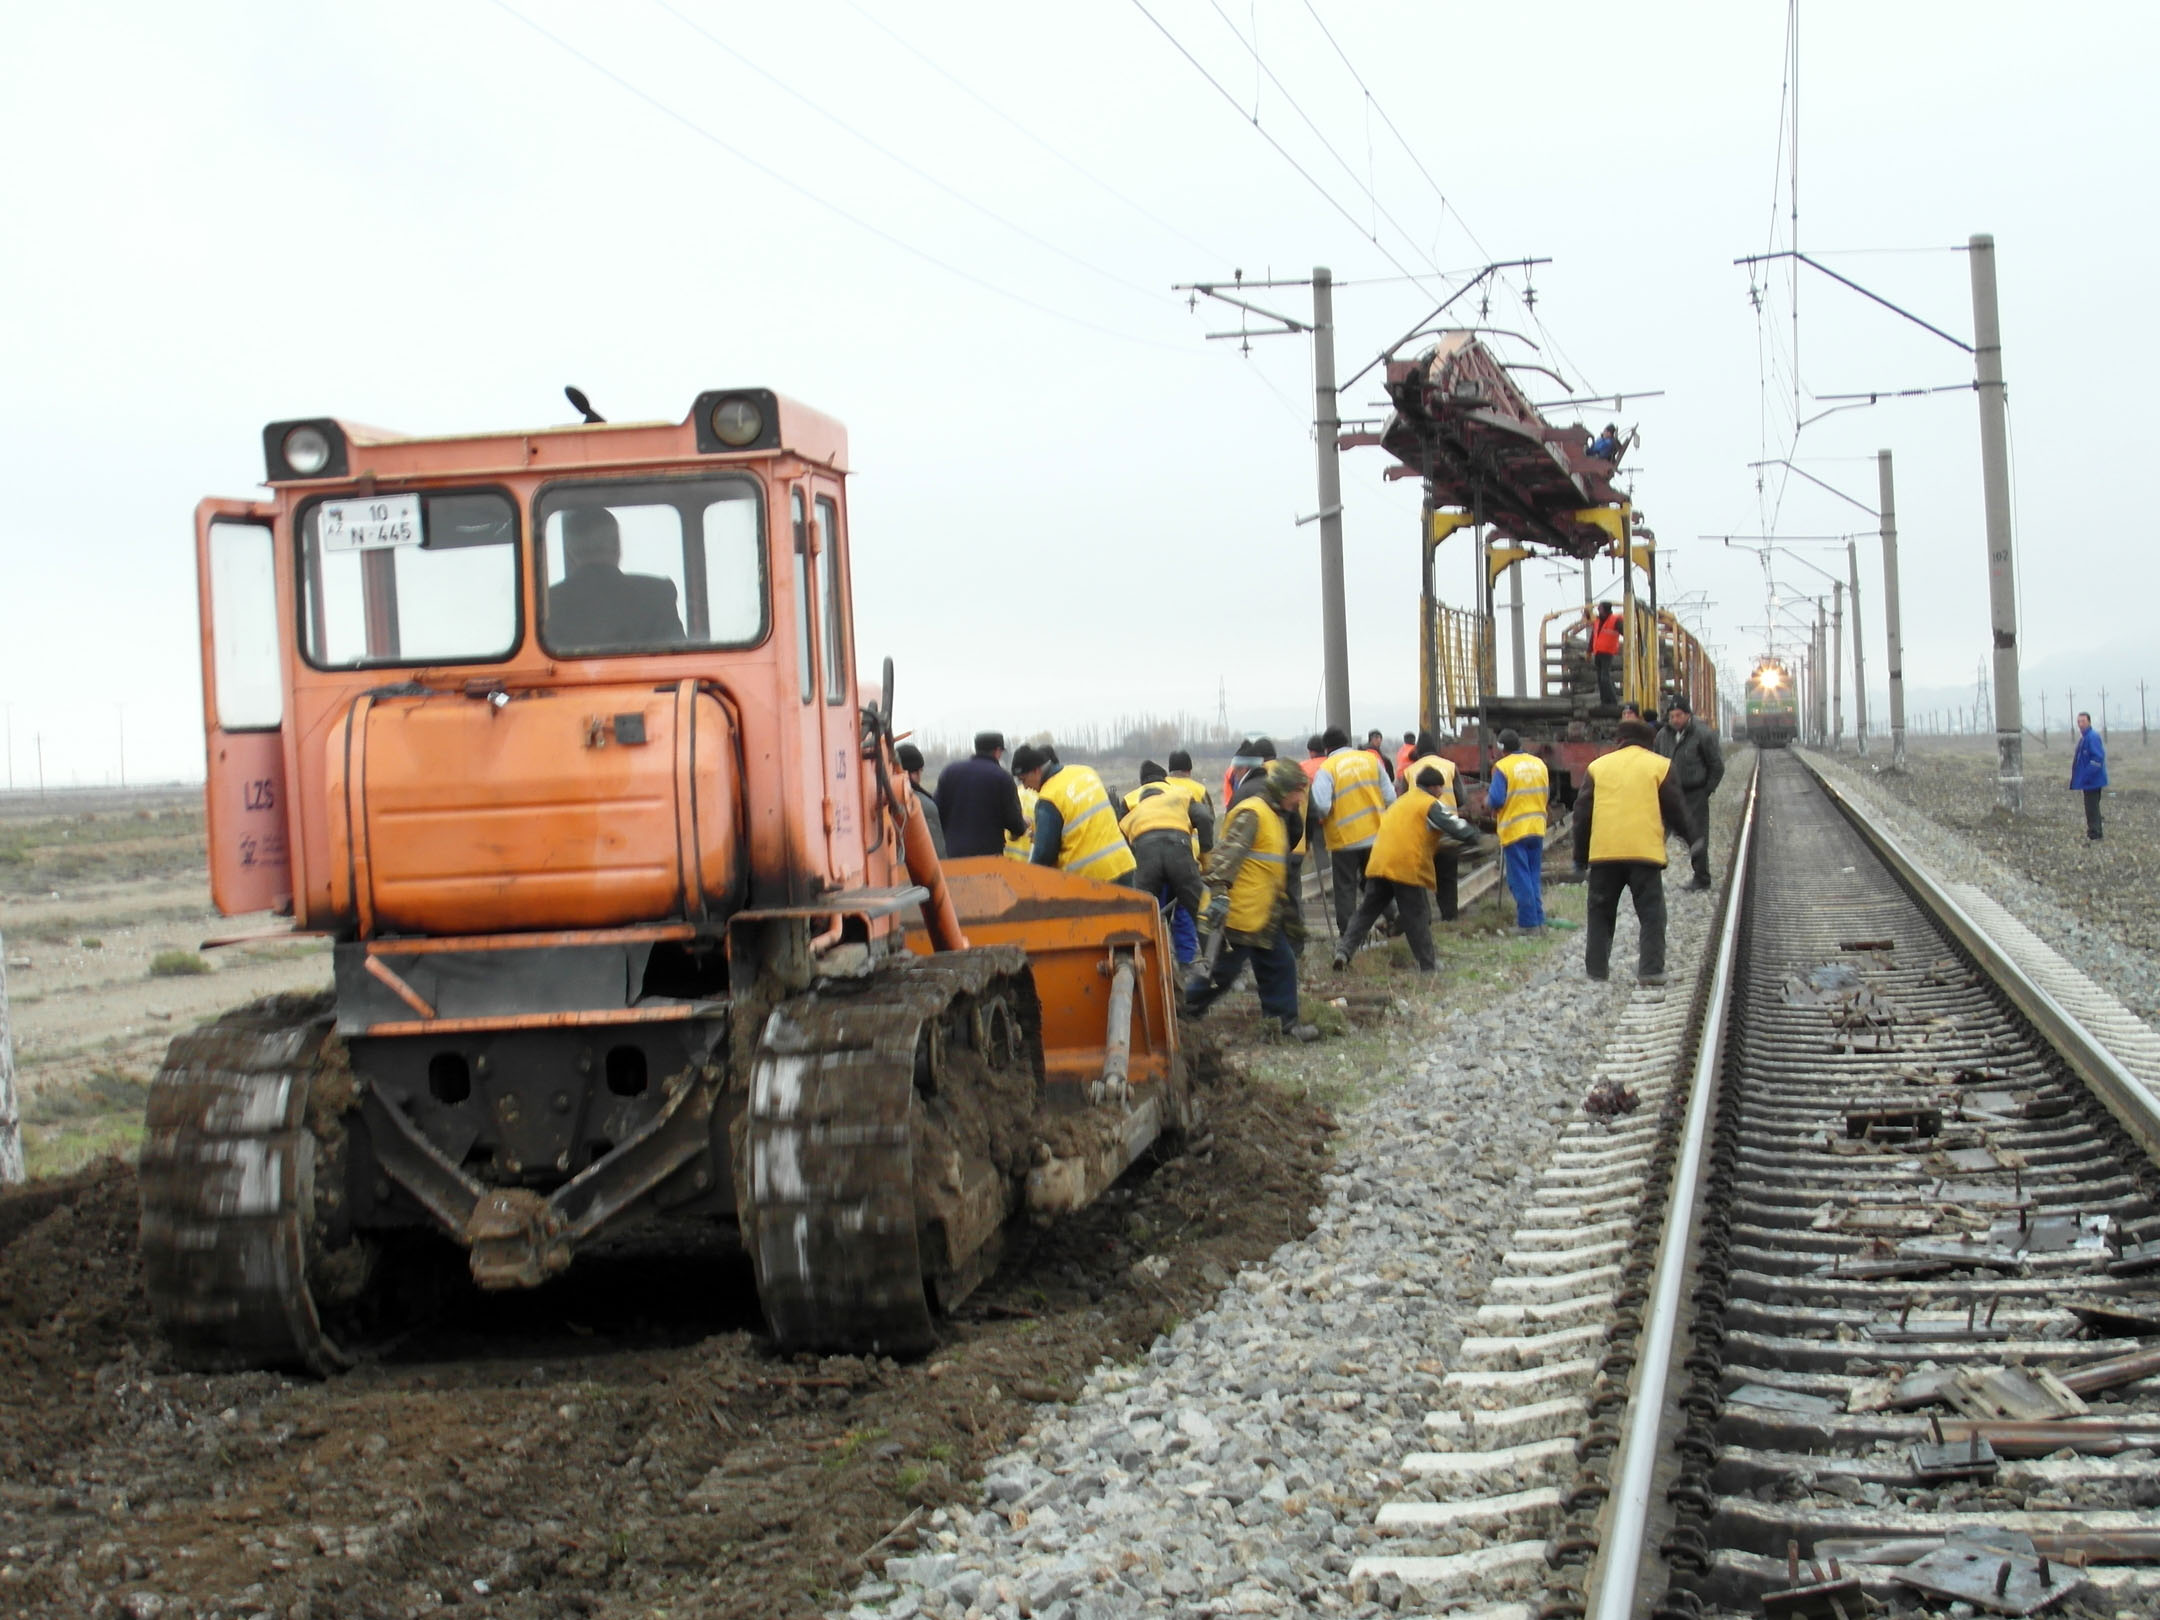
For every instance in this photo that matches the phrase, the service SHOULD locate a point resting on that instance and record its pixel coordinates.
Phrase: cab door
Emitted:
(839, 721)
(243, 678)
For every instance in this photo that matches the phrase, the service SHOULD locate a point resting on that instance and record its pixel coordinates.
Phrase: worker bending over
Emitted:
(1075, 828)
(1628, 803)
(1401, 868)
(1516, 797)
(1349, 795)
(1158, 825)
(1252, 914)
(911, 761)
(1447, 862)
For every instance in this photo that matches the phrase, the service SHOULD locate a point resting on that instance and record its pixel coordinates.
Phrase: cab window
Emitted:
(409, 579)
(828, 516)
(652, 566)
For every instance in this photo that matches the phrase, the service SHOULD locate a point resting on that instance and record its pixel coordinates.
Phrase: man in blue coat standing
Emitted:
(2088, 773)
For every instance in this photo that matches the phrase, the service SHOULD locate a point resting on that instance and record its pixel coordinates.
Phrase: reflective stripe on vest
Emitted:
(1260, 880)
(1148, 809)
(1403, 853)
(1522, 812)
(1023, 847)
(1354, 817)
(1197, 792)
(1625, 822)
(1446, 767)
(1091, 844)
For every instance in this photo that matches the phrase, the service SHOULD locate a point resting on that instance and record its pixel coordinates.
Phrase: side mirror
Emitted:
(888, 692)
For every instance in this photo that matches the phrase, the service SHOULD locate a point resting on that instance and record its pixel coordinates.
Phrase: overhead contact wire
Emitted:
(829, 206)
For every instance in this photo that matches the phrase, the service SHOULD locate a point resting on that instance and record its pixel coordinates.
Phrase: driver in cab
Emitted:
(595, 604)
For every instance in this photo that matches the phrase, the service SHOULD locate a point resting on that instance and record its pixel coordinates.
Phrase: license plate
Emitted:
(374, 524)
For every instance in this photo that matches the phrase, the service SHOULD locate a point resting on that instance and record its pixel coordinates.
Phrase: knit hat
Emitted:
(1679, 701)
(1027, 757)
(1151, 772)
(909, 756)
(1284, 777)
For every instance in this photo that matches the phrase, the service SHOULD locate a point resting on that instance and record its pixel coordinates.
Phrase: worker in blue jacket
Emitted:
(2088, 773)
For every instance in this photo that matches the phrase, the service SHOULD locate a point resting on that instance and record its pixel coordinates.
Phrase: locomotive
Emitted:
(1773, 704)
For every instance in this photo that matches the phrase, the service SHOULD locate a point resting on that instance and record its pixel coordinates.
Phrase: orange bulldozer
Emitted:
(638, 932)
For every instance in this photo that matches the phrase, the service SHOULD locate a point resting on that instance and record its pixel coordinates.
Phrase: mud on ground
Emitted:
(622, 1443)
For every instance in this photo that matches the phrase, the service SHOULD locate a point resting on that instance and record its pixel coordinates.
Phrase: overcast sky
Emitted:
(956, 226)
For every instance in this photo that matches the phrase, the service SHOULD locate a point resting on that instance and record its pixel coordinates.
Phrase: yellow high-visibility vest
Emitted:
(1522, 812)
(1446, 767)
(1403, 853)
(1198, 793)
(1092, 846)
(1023, 847)
(1149, 809)
(1259, 884)
(1354, 816)
(1625, 821)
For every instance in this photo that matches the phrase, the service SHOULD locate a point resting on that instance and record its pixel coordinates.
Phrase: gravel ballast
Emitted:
(2098, 904)
(1238, 1468)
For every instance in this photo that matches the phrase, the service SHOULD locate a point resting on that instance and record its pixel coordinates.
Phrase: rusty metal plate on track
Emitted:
(1991, 1579)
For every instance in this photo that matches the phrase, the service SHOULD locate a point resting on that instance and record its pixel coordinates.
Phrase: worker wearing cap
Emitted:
(1698, 766)
(1605, 650)
(911, 761)
(1075, 825)
(1251, 909)
(1447, 861)
(1401, 868)
(1158, 825)
(1627, 805)
(1350, 793)
(978, 805)
(1516, 796)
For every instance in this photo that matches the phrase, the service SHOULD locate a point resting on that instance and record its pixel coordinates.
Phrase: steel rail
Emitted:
(2126, 1096)
(1620, 1570)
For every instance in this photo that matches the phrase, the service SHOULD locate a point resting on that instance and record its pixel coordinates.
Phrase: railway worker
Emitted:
(1180, 778)
(1405, 754)
(1698, 766)
(1401, 868)
(1251, 754)
(1021, 846)
(1608, 445)
(1315, 756)
(1627, 805)
(1075, 827)
(1447, 860)
(1376, 745)
(1604, 648)
(1349, 795)
(911, 761)
(1158, 824)
(1516, 796)
(2088, 773)
(1252, 908)
(979, 803)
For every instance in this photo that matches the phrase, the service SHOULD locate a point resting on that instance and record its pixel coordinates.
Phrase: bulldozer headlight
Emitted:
(313, 447)
(728, 419)
(737, 422)
(307, 451)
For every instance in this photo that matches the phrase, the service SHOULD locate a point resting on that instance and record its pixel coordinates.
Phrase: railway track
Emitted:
(1857, 1313)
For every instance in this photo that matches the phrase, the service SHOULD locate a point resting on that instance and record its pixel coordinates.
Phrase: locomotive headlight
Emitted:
(1772, 680)
(737, 421)
(307, 451)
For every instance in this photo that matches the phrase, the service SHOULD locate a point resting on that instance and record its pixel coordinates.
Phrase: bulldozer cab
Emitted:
(583, 677)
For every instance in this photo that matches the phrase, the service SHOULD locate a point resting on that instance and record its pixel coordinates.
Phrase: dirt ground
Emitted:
(93, 889)
(624, 1442)
(2114, 884)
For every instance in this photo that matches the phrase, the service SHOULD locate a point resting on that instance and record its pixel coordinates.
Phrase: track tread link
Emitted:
(228, 1175)
(827, 1180)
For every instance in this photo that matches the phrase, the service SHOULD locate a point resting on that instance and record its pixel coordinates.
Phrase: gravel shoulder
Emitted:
(1238, 1468)
(2096, 903)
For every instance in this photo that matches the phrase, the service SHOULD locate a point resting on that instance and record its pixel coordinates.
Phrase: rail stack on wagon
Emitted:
(1523, 487)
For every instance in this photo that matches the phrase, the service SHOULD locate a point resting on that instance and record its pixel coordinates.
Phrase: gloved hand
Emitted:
(1294, 931)
(1217, 914)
